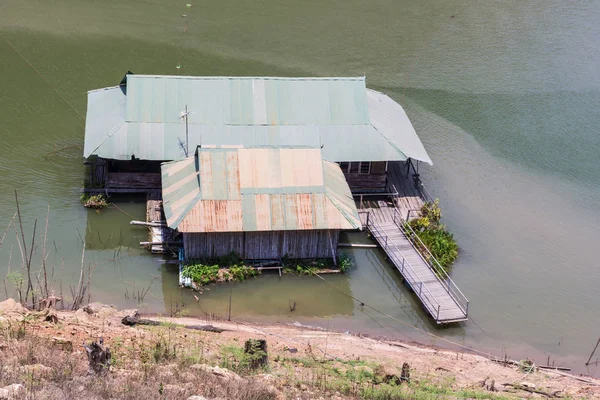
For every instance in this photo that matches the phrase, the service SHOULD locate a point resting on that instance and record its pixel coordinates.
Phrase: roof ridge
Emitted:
(350, 218)
(323, 78)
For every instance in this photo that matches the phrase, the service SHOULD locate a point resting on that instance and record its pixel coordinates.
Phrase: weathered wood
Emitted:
(133, 320)
(366, 182)
(524, 388)
(157, 224)
(431, 291)
(593, 351)
(262, 245)
(172, 243)
(133, 180)
(98, 358)
(256, 351)
(159, 234)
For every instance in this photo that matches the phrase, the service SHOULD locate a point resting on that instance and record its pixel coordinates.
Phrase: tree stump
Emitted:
(256, 351)
(98, 358)
(405, 375)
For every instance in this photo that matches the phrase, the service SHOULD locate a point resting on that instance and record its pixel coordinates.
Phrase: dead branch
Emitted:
(132, 320)
(7, 228)
(44, 256)
(524, 388)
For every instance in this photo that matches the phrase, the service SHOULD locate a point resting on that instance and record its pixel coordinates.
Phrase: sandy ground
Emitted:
(465, 371)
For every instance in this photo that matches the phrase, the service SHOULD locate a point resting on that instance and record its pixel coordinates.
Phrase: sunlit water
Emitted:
(504, 96)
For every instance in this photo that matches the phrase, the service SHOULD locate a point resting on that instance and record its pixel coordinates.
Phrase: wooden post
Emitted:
(98, 358)
(593, 351)
(368, 214)
(256, 350)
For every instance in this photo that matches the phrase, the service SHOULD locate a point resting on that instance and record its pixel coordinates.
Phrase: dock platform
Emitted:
(384, 218)
(440, 296)
(160, 237)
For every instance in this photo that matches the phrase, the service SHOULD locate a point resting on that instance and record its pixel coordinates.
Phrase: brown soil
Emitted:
(303, 363)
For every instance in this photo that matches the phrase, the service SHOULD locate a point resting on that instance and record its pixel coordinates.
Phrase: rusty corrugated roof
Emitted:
(233, 190)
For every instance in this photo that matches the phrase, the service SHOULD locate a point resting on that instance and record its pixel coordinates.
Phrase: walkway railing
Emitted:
(417, 284)
(424, 252)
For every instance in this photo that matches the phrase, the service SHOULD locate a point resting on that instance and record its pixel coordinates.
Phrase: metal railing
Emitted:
(417, 284)
(457, 295)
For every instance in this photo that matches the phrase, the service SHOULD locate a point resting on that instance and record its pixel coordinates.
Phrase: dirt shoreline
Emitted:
(297, 354)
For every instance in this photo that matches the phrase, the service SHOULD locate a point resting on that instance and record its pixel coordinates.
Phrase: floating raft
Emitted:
(160, 236)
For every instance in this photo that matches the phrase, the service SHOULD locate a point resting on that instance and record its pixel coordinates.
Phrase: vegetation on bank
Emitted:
(97, 201)
(171, 362)
(434, 235)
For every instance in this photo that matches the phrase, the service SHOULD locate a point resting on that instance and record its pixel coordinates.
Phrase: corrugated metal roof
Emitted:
(247, 101)
(104, 119)
(389, 118)
(349, 122)
(233, 190)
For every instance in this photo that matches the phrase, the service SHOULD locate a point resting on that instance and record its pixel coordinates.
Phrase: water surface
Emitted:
(504, 96)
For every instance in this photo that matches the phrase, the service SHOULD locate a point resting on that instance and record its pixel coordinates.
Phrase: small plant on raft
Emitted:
(201, 273)
(434, 235)
(96, 201)
(223, 269)
(345, 262)
(310, 267)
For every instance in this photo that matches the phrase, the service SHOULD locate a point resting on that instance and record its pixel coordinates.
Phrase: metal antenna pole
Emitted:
(187, 136)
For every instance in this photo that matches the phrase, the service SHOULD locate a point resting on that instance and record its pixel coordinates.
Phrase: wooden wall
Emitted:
(366, 182)
(376, 180)
(270, 245)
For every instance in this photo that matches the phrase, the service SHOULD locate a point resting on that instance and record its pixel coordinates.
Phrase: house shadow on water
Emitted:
(267, 297)
(109, 228)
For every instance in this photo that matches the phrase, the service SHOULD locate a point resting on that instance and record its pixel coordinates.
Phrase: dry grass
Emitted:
(171, 362)
(51, 371)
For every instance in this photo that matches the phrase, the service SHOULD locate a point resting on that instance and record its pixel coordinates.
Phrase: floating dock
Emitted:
(440, 296)
(384, 218)
(160, 236)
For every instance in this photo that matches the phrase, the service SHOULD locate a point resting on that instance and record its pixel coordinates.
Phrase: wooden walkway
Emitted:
(159, 236)
(440, 297)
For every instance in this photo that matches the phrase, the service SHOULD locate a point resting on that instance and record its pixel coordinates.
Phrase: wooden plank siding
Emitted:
(367, 182)
(271, 245)
(375, 180)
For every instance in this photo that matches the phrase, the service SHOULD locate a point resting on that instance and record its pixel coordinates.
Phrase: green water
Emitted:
(503, 94)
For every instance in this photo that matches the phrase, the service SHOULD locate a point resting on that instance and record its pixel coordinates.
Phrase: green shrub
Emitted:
(434, 235)
(201, 273)
(96, 201)
(345, 261)
(242, 272)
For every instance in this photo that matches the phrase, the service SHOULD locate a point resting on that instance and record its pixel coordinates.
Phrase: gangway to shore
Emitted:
(439, 295)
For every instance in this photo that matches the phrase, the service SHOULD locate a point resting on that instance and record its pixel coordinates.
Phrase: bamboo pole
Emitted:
(593, 351)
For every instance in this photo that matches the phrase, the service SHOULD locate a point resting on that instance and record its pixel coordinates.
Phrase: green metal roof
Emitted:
(247, 101)
(340, 115)
(233, 190)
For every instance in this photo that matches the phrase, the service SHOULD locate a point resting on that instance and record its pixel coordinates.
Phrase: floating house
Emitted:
(134, 127)
(263, 204)
(267, 167)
